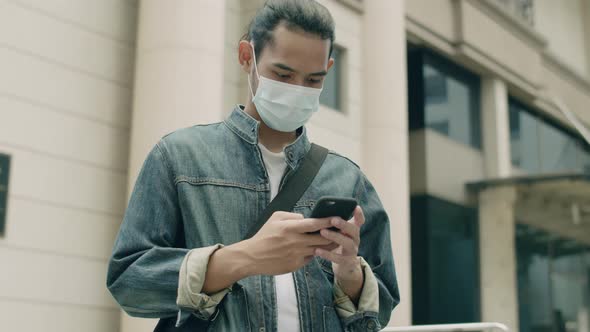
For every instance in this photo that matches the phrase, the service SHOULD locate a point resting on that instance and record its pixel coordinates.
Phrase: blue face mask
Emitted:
(282, 106)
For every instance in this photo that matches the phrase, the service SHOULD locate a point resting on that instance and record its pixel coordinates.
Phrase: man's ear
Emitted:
(245, 56)
(330, 63)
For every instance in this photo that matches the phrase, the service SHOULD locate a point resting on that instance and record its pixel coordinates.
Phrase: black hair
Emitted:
(306, 15)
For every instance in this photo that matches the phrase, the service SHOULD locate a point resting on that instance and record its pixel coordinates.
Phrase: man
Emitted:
(181, 253)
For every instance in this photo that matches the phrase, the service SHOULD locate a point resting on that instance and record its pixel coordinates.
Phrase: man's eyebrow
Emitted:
(319, 73)
(285, 67)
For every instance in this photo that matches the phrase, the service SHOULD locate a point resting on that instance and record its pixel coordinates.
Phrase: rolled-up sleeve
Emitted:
(191, 299)
(369, 297)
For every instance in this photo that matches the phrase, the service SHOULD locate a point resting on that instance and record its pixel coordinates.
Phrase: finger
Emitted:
(346, 242)
(329, 247)
(311, 225)
(359, 216)
(331, 256)
(348, 228)
(282, 215)
(315, 240)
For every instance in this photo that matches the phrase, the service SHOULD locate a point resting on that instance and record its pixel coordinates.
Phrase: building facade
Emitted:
(457, 110)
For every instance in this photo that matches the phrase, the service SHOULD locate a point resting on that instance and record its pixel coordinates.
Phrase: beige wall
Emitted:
(65, 98)
(437, 170)
(436, 18)
(560, 82)
(562, 23)
(238, 15)
(585, 9)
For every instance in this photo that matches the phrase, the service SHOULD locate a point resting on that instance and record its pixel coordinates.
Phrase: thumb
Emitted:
(358, 216)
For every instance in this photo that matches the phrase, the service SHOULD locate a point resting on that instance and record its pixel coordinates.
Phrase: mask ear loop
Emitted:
(255, 68)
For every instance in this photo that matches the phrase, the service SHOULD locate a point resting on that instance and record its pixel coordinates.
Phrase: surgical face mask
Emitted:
(282, 106)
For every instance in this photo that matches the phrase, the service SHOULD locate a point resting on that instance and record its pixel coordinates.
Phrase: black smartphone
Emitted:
(334, 207)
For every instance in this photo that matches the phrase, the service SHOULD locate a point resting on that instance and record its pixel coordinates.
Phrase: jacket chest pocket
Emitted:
(217, 211)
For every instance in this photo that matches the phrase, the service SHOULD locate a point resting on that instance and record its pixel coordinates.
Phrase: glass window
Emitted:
(553, 280)
(445, 268)
(584, 159)
(539, 145)
(332, 92)
(558, 149)
(451, 101)
(569, 276)
(534, 293)
(524, 140)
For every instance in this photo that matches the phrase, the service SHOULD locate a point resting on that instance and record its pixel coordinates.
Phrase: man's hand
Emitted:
(282, 245)
(345, 262)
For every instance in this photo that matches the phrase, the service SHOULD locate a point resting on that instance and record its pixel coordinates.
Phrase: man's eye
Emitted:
(282, 75)
(311, 80)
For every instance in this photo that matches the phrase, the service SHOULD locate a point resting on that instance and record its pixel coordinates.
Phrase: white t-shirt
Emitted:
(287, 310)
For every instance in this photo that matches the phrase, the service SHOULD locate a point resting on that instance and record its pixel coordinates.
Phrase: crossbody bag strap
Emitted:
(295, 187)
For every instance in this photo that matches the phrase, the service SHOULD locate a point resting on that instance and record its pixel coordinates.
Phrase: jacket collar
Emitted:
(246, 127)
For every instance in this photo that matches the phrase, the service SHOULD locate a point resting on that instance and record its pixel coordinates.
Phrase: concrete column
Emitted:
(179, 70)
(499, 293)
(178, 80)
(584, 319)
(385, 130)
(496, 128)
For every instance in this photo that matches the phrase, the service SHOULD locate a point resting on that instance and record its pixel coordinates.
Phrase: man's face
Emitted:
(295, 57)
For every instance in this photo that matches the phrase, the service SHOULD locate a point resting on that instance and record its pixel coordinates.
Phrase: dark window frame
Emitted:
(422, 229)
(4, 183)
(419, 57)
(340, 76)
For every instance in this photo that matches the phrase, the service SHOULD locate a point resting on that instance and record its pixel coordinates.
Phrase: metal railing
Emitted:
(450, 328)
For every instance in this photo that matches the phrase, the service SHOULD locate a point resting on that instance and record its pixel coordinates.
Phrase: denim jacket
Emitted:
(202, 187)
